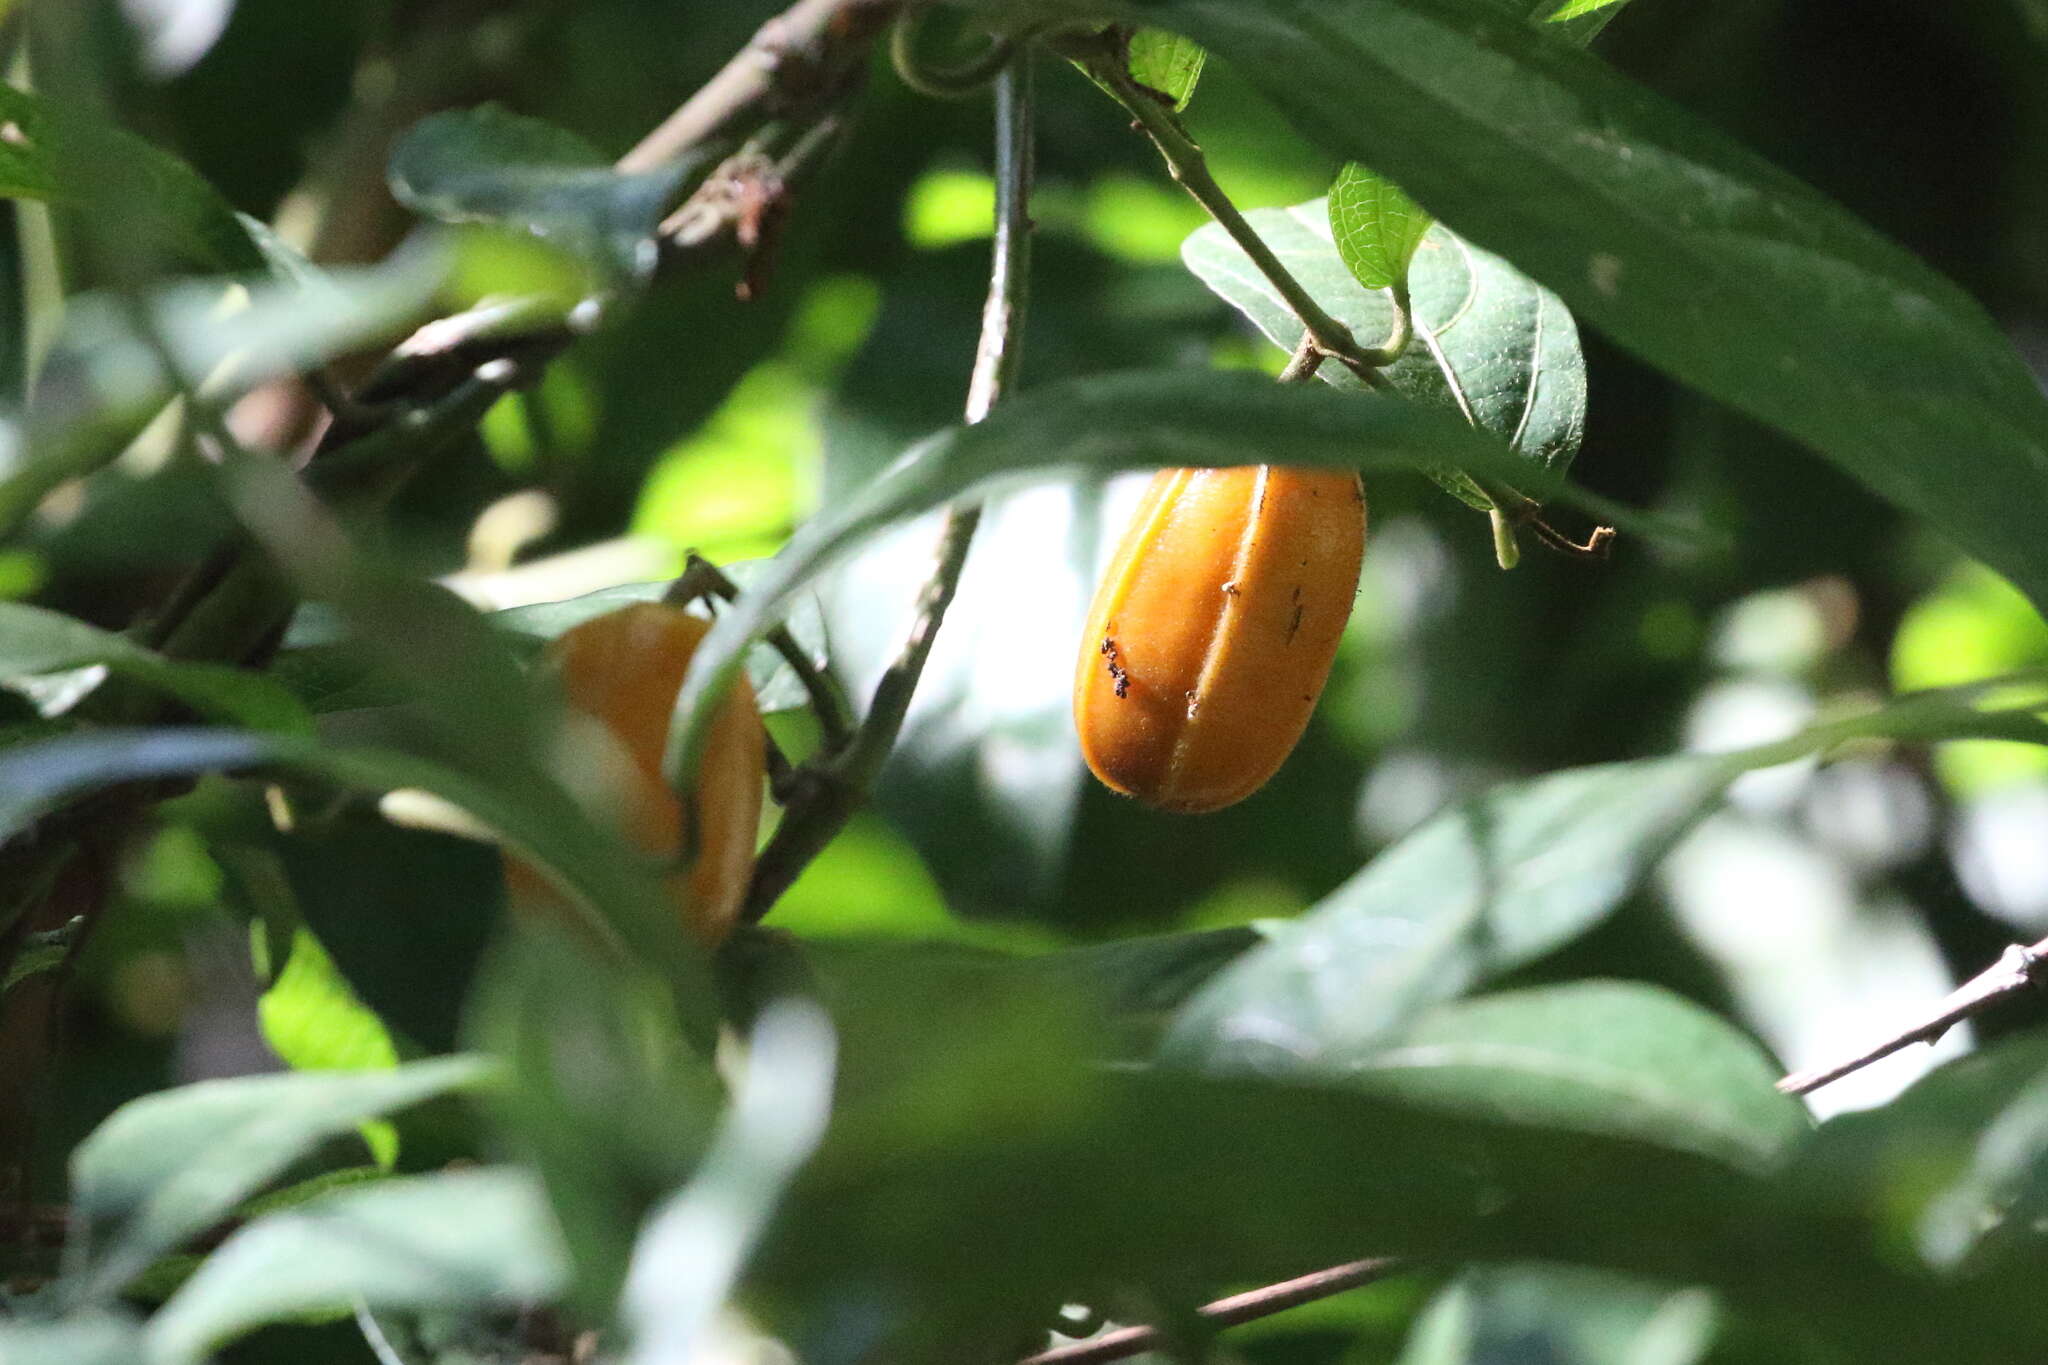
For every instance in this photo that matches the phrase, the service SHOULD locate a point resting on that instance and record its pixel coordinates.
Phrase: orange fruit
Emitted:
(1214, 629)
(622, 670)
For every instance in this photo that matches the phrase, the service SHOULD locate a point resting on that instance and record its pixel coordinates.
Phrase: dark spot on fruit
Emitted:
(1119, 676)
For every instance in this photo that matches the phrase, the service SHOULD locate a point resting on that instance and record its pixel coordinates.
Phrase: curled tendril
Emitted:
(942, 82)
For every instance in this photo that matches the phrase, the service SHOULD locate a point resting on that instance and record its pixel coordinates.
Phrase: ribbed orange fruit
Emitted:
(1213, 630)
(623, 670)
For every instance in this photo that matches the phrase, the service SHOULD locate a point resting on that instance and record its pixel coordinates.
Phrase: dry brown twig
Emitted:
(2017, 971)
(1228, 1312)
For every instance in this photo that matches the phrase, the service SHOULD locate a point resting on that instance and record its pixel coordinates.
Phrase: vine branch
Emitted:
(1228, 1312)
(2017, 971)
(808, 48)
(1104, 61)
(447, 373)
(828, 700)
(825, 795)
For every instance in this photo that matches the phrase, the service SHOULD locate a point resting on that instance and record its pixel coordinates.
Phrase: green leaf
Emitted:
(625, 908)
(170, 1165)
(1126, 421)
(327, 672)
(60, 156)
(608, 1101)
(400, 920)
(465, 1239)
(2002, 1196)
(1495, 882)
(36, 641)
(1561, 1313)
(1603, 1056)
(1145, 974)
(43, 951)
(775, 686)
(1166, 62)
(83, 1339)
(102, 383)
(694, 1246)
(39, 775)
(313, 1021)
(489, 165)
(1376, 226)
(1951, 1167)
(1482, 888)
(1192, 1184)
(1132, 985)
(975, 1110)
(1686, 248)
(1580, 21)
(1490, 343)
(1573, 9)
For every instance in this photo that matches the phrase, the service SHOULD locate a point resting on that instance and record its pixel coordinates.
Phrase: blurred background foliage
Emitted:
(1814, 906)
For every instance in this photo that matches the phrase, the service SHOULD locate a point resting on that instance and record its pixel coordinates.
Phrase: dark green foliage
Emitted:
(1496, 977)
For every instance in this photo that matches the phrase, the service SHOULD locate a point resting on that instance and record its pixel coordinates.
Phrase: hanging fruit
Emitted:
(623, 670)
(1214, 628)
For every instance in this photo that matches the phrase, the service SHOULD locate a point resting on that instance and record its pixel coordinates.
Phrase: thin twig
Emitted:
(825, 795)
(1230, 1312)
(1303, 364)
(2016, 972)
(828, 699)
(1595, 546)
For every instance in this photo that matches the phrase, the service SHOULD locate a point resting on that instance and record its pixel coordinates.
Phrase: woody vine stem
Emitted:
(826, 796)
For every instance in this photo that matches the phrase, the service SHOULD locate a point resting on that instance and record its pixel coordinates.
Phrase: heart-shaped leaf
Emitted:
(1165, 61)
(1376, 226)
(1490, 343)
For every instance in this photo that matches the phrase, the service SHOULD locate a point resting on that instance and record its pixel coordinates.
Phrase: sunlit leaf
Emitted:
(313, 1021)
(1376, 226)
(472, 1239)
(1166, 62)
(171, 1164)
(1490, 344)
